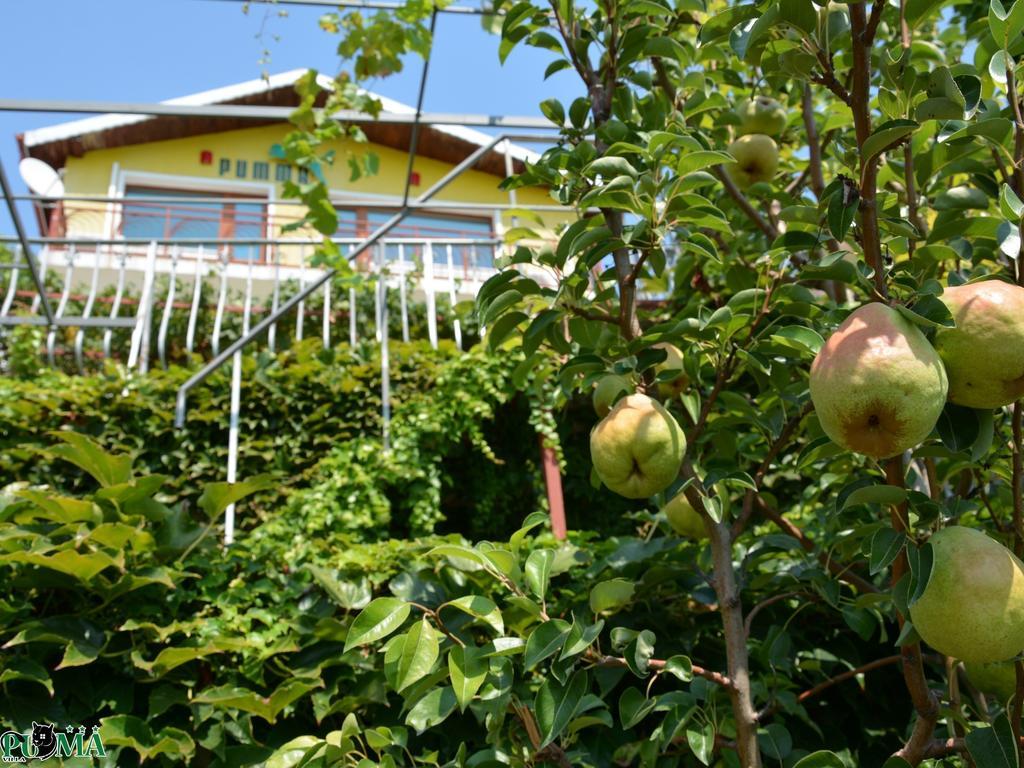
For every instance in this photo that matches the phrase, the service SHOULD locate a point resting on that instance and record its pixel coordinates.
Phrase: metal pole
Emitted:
(415, 138)
(428, 289)
(387, 226)
(376, 5)
(241, 112)
(37, 277)
(385, 362)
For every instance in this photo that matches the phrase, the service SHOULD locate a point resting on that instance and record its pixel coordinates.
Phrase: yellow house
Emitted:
(198, 193)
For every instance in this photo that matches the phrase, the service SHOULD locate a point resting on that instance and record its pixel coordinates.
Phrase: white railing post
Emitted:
(138, 356)
(428, 289)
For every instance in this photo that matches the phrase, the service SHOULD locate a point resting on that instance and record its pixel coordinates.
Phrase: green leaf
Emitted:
(701, 159)
(580, 638)
(86, 454)
(775, 741)
(800, 13)
(886, 544)
(821, 759)
(679, 667)
(721, 24)
(267, 707)
(842, 208)
(84, 566)
(639, 652)
(801, 336)
(702, 742)
(555, 705)
(433, 709)
(467, 667)
(481, 608)
(994, 746)
(132, 732)
(351, 596)
(634, 707)
(217, 496)
(24, 668)
(553, 110)
(961, 198)
(611, 167)
(611, 595)
(939, 108)
(876, 494)
(887, 134)
(929, 312)
(419, 653)
(958, 427)
(998, 66)
(1009, 204)
(538, 570)
(503, 328)
(379, 619)
(545, 640)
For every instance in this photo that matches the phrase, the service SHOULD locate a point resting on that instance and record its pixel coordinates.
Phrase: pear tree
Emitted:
(807, 215)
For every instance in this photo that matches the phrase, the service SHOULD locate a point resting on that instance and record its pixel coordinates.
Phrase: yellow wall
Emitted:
(91, 174)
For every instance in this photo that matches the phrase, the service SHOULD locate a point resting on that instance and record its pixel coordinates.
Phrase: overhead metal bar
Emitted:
(160, 200)
(26, 248)
(243, 112)
(368, 242)
(376, 5)
(69, 322)
(199, 241)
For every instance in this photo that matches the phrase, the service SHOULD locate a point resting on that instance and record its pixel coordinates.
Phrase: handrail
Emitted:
(226, 354)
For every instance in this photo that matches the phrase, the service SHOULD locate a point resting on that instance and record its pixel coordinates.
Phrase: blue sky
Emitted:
(150, 50)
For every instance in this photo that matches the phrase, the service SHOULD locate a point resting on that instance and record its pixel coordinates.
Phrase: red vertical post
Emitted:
(553, 484)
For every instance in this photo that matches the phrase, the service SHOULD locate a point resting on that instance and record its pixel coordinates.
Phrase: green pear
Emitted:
(984, 354)
(997, 678)
(671, 388)
(757, 158)
(877, 385)
(762, 115)
(637, 449)
(607, 392)
(684, 519)
(973, 606)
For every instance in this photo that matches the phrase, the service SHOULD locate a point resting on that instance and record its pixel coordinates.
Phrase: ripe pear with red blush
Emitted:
(877, 385)
(972, 607)
(984, 353)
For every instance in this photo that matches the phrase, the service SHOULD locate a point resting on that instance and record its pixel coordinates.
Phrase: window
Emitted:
(203, 216)
(442, 229)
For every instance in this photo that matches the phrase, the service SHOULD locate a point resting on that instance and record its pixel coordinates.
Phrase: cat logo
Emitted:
(46, 741)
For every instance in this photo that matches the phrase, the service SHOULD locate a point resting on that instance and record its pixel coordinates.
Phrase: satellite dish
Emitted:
(41, 178)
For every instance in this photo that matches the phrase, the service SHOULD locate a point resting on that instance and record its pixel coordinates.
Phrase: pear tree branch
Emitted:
(820, 688)
(924, 701)
(745, 205)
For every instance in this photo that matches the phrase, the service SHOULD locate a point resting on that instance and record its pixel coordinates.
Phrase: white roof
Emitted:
(75, 128)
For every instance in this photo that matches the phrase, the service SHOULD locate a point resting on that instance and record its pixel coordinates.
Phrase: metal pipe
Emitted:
(193, 314)
(116, 306)
(262, 202)
(200, 241)
(375, 5)
(70, 322)
(414, 139)
(51, 337)
(37, 277)
(94, 285)
(165, 318)
(273, 114)
(369, 242)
